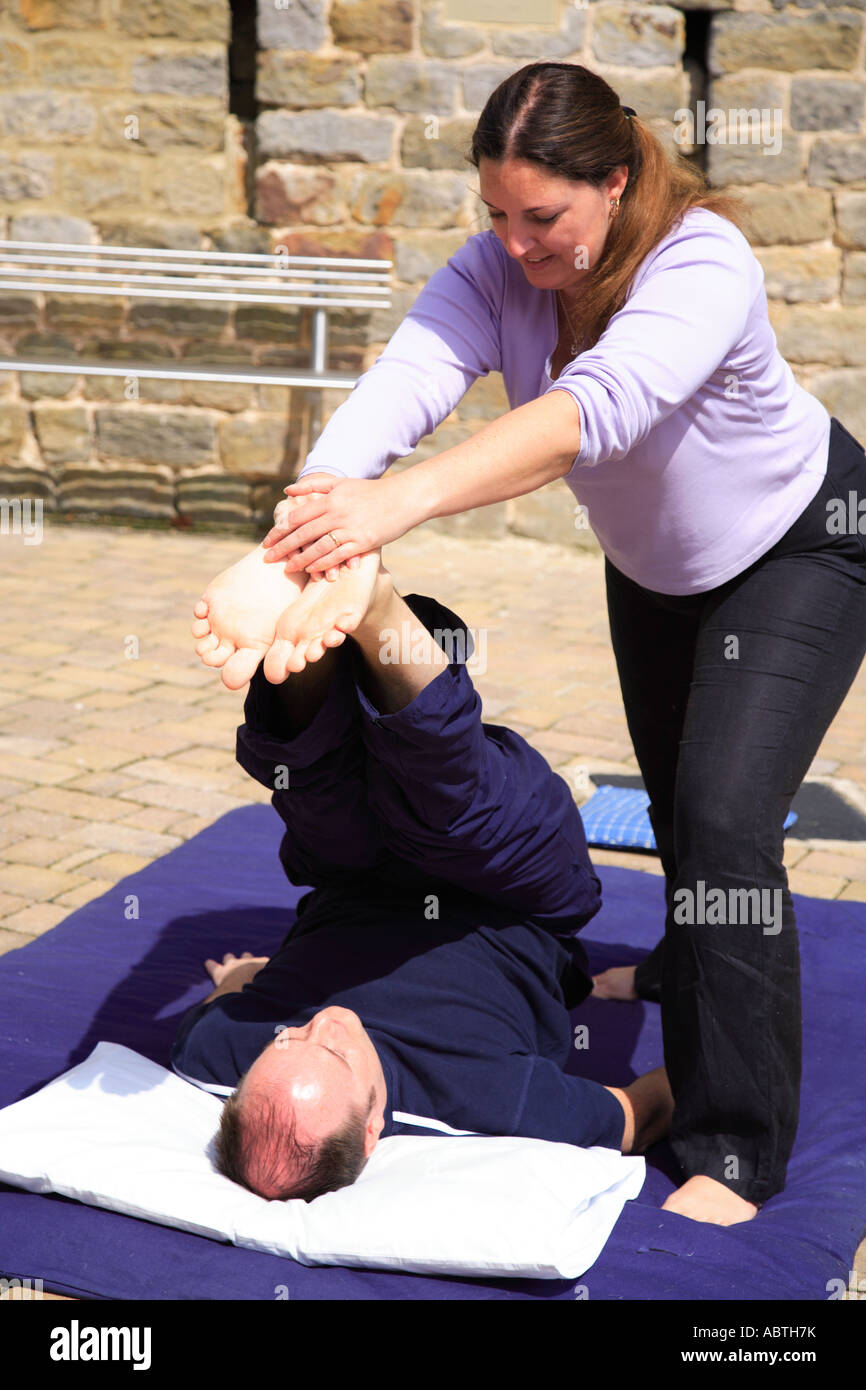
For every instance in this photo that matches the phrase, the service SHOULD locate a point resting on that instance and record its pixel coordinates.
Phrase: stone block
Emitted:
(152, 125)
(430, 143)
(188, 20)
(286, 78)
(287, 193)
(788, 42)
(328, 135)
(811, 334)
(643, 36)
(14, 430)
(411, 84)
(74, 313)
(71, 61)
(181, 438)
(25, 176)
(46, 226)
(819, 103)
(189, 188)
(443, 40)
(259, 446)
(180, 318)
(851, 219)
(801, 274)
(117, 491)
(408, 199)
(62, 432)
(854, 278)
(419, 255)
(372, 26)
(92, 181)
(786, 216)
(212, 496)
(755, 164)
(46, 116)
(837, 161)
(18, 310)
(543, 44)
(192, 74)
(19, 480)
(296, 24)
(843, 393)
(149, 232)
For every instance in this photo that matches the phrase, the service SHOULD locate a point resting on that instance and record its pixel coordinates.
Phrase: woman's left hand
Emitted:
(362, 513)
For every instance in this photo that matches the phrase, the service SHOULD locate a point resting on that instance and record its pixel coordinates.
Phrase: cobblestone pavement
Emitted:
(117, 744)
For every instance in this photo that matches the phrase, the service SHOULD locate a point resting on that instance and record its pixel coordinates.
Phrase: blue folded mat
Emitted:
(616, 818)
(100, 976)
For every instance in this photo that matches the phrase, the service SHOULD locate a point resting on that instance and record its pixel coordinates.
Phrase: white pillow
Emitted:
(118, 1131)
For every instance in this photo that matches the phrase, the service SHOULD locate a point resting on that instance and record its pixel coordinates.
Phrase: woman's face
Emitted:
(554, 227)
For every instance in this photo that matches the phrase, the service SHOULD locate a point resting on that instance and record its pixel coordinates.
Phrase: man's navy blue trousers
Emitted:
(448, 867)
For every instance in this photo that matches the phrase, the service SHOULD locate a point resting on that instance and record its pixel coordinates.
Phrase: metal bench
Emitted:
(317, 282)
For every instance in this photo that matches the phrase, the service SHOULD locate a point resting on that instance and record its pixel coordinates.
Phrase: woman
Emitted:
(627, 314)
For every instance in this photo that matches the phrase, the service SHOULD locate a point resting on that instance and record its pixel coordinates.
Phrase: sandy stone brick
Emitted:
(84, 893)
(35, 883)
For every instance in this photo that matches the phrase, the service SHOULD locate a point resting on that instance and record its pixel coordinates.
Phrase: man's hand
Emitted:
(234, 972)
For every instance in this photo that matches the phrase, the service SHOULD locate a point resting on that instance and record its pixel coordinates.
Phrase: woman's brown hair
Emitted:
(568, 120)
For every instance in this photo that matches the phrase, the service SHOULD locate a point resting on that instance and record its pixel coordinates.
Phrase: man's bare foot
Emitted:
(648, 1104)
(704, 1199)
(616, 983)
(236, 616)
(322, 617)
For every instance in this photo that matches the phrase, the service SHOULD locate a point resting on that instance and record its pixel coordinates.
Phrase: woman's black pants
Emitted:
(728, 695)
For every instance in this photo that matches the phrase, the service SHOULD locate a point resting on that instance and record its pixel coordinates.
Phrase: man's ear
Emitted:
(375, 1125)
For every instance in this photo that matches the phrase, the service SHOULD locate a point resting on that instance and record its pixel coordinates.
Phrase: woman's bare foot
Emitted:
(236, 616)
(704, 1199)
(322, 617)
(616, 983)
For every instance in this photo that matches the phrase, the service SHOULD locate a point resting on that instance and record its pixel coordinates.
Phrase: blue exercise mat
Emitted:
(616, 818)
(100, 975)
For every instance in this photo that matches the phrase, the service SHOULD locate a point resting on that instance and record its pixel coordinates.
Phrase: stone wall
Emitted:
(341, 127)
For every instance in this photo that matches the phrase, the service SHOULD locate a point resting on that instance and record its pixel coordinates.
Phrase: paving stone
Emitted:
(124, 839)
(13, 940)
(42, 853)
(35, 883)
(113, 866)
(155, 818)
(84, 893)
(815, 885)
(80, 804)
(41, 917)
(848, 866)
(11, 902)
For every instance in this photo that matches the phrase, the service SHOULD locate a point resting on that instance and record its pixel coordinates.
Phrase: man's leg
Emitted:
(469, 802)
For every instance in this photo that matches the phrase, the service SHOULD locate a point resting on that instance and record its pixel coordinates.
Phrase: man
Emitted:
(427, 982)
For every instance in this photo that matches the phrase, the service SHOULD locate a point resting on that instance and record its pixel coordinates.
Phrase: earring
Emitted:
(614, 206)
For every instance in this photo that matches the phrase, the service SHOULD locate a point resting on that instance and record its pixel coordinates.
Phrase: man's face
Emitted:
(320, 1072)
(540, 217)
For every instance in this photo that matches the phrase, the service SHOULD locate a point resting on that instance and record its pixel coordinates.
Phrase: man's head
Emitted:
(308, 1113)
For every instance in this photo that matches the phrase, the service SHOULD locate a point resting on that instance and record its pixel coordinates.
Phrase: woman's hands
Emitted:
(362, 513)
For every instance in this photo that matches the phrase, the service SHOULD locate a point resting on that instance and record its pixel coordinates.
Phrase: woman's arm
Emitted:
(509, 457)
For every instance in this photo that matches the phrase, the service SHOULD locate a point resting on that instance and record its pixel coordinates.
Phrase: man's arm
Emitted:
(233, 973)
